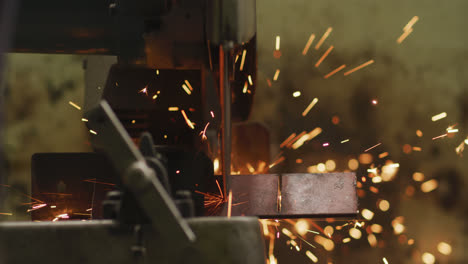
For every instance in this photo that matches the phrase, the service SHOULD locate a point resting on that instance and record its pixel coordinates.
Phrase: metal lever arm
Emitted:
(111, 137)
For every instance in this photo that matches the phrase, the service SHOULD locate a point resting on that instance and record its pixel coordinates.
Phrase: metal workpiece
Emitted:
(294, 195)
(155, 202)
(220, 240)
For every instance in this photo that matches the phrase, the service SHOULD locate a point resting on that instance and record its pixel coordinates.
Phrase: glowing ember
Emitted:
(439, 116)
(429, 186)
(376, 228)
(428, 258)
(250, 79)
(321, 167)
(384, 205)
(277, 72)
(296, 94)
(311, 256)
(74, 105)
(323, 56)
(310, 106)
(344, 141)
(418, 176)
(346, 240)
(372, 240)
(92, 132)
(444, 248)
(309, 42)
(323, 38)
(301, 227)
(367, 214)
(375, 179)
(419, 133)
(374, 102)
(385, 260)
(383, 155)
(355, 233)
(9, 214)
(328, 230)
(84, 119)
(398, 226)
(334, 71)
(353, 164)
(330, 165)
(326, 144)
(173, 109)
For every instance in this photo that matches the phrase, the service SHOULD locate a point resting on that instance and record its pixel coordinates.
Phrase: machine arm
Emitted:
(156, 203)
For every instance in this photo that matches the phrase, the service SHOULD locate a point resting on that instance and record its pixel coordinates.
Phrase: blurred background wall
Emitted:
(410, 82)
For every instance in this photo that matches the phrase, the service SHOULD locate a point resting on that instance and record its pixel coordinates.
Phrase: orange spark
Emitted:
(229, 204)
(286, 141)
(99, 182)
(324, 56)
(278, 161)
(278, 39)
(441, 136)
(74, 105)
(439, 117)
(219, 188)
(144, 90)
(296, 138)
(173, 109)
(187, 120)
(323, 38)
(309, 107)
(186, 89)
(359, 67)
(373, 147)
(246, 85)
(276, 75)
(404, 36)
(203, 133)
(188, 84)
(309, 42)
(411, 23)
(37, 206)
(334, 71)
(241, 68)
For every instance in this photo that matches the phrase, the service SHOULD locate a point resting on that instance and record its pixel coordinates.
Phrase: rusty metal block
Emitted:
(294, 195)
